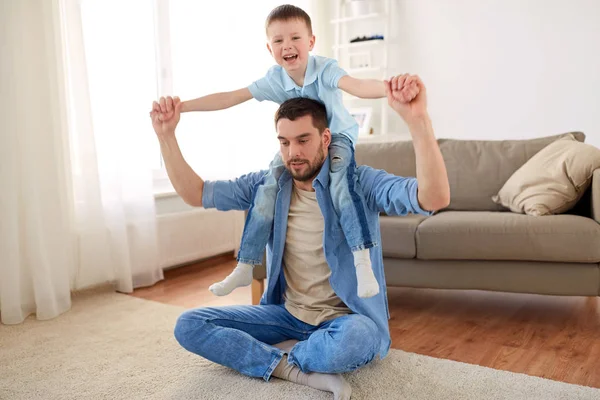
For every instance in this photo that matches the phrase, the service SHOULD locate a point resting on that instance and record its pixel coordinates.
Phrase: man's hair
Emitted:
(287, 12)
(298, 107)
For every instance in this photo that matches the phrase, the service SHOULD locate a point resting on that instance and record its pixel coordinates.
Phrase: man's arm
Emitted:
(388, 193)
(185, 181)
(223, 195)
(432, 177)
(434, 188)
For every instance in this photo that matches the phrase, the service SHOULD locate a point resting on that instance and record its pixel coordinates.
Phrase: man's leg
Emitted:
(239, 337)
(334, 383)
(340, 345)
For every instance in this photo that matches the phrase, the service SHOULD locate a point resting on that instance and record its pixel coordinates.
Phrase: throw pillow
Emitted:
(553, 180)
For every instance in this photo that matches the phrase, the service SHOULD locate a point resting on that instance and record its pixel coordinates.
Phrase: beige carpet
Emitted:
(113, 346)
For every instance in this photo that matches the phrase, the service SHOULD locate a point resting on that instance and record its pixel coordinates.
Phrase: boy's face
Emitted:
(289, 43)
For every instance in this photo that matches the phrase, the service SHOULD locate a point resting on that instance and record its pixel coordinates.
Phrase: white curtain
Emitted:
(77, 207)
(36, 242)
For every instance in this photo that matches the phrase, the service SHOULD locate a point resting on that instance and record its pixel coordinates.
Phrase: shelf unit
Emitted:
(357, 45)
(343, 24)
(356, 18)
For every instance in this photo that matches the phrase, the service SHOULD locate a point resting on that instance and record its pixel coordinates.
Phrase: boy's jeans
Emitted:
(240, 337)
(347, 202)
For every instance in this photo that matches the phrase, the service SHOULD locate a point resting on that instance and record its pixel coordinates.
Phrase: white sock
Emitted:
(334, 383)
(367, 283)
(241, 276)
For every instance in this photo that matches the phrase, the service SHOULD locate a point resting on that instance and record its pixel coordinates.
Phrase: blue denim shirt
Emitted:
(383, 192)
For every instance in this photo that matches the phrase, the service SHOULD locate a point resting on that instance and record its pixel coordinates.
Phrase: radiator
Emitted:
(194, 234)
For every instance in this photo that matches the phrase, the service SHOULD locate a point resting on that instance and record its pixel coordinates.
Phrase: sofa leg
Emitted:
(258, 287)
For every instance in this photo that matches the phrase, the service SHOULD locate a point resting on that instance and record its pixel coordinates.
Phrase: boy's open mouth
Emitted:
(290, 58)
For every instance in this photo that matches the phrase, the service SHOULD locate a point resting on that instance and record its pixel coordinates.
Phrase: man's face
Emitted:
(303, 149)
(289, 43)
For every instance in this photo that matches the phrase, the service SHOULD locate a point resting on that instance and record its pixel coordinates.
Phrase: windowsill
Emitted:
(165, 194)
(162, 185)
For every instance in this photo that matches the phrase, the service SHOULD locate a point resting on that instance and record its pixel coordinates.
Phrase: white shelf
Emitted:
(356, 18)
(345, 28)
(366, 43)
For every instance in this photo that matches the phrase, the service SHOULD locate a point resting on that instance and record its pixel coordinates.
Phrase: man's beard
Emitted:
(313, 167)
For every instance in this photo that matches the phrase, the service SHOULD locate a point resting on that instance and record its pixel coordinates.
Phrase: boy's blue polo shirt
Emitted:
(320, 83)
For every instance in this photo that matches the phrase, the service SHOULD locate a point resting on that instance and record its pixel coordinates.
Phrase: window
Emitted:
(121, 68)
(137, 50)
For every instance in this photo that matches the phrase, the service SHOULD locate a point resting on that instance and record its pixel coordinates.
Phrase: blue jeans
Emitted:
(348, 204)
(241, 338)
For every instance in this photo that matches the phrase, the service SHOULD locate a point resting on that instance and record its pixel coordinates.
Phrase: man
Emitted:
(311, 325)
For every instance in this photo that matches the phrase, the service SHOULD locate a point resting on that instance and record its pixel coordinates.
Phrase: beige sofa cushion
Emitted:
(477, 169)
(553, 180)
(398, 235)
(395, 157)
(485, 235)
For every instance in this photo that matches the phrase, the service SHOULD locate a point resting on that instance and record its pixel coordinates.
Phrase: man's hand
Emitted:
(407, 96)
(165, 116)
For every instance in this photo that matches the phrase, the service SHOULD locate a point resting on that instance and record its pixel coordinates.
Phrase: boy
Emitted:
(298, 74)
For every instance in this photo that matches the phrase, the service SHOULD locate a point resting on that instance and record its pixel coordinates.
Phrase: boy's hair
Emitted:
(298, 107)
(287, 12)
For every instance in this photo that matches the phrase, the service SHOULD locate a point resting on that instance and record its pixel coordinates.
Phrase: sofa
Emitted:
(476, 243)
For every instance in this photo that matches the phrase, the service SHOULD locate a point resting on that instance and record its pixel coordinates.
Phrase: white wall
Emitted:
(494, 69)
(503, 69)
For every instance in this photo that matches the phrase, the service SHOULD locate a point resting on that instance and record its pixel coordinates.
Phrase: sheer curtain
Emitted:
(36, 241)
(78, 206)
(111, 81)
(78, 151)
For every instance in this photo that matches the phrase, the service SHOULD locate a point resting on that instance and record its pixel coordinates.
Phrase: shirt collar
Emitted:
(309, 76)
(323, 175)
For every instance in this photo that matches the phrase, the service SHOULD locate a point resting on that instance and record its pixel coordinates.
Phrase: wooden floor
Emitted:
(554, 337)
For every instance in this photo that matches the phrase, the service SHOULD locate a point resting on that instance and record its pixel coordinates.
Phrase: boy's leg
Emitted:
(350, 207)
(257, 230)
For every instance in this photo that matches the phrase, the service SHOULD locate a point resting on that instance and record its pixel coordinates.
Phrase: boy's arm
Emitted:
(373, 88)
(217, 101)
(363, 88)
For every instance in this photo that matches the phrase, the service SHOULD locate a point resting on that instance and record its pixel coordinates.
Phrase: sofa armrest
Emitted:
(595, 193)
